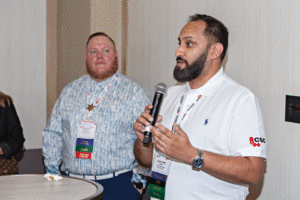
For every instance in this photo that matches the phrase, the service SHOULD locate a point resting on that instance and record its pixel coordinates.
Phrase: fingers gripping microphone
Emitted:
(160, 90)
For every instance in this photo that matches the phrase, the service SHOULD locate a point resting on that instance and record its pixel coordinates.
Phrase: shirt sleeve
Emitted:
(52, 138)
(248, 136)
(143, 99)
(14, 142)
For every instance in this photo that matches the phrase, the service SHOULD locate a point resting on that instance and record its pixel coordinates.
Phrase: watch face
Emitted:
(198, 163)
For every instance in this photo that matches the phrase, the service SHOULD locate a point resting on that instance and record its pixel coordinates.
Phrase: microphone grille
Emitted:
(161, 88)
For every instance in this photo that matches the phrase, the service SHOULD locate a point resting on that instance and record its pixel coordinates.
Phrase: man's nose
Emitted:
(179, 51)
(100, 54)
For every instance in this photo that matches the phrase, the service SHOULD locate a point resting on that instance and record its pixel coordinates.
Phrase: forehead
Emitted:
(100, 41)
(193, 29)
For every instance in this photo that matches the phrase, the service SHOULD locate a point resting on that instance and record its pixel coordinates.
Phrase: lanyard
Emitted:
(91, 105)
(187, 111)
(160, 164)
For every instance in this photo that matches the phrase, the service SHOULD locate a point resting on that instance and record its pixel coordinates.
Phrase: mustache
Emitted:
(181, 59)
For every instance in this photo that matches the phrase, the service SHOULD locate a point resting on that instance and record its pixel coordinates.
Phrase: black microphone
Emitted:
(160, 90)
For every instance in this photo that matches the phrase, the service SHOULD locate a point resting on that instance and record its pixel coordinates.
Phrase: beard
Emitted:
(99, 75)
(190, 72)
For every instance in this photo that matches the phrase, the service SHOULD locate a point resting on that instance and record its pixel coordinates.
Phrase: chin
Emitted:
(101, 74)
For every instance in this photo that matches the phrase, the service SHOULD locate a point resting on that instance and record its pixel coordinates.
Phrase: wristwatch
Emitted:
(198, 161)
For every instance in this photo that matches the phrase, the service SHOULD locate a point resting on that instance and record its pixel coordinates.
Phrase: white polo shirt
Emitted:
(223, 121)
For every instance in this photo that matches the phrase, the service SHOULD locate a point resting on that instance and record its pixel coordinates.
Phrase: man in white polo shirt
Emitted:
(211, 141)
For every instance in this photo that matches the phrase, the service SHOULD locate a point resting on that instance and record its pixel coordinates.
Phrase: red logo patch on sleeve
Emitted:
(256, 141)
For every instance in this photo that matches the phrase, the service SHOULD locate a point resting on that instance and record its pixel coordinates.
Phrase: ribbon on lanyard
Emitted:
(160, 164)
(87, 128)
(91, 105)
(187, 111)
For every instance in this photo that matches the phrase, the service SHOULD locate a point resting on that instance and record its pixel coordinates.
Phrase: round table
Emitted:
(37, 187)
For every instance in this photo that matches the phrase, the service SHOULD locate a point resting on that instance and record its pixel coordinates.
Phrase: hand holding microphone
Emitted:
(151, 111)
(160, 90)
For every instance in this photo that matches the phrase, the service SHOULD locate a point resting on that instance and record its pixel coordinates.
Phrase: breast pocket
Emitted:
(71, 114)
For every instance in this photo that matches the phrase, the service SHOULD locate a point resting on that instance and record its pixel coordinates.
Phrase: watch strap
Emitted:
(200, 153)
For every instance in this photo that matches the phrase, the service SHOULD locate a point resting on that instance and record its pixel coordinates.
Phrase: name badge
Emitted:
(86, 130)
(161, 164)
(160, 171)
(85, 140)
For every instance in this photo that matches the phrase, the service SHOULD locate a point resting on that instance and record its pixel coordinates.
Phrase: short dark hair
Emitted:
(215, 30)
(100, 34)
(4, 98)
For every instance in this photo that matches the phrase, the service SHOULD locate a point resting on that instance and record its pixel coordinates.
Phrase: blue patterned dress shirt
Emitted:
(114, 116)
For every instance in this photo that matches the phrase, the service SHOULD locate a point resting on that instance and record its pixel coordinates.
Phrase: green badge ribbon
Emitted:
(82, 148)
(157, 195)
(156, 191)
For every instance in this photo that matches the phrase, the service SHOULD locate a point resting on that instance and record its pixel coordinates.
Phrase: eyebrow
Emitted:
(187, 37)
(101, 48)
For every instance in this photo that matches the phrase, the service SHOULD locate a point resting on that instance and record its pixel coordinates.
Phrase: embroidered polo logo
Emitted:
(206, 121)
(256, 141)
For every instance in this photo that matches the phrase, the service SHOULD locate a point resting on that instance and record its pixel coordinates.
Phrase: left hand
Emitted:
(173, 145)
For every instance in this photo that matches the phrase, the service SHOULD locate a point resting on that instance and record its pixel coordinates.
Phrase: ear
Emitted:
(117, 55)
(217, 49)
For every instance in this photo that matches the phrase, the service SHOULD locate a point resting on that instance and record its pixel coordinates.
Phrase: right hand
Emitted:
(143, 121)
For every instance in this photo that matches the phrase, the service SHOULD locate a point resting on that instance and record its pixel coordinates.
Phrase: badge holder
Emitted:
(157, 181)
(85, 140)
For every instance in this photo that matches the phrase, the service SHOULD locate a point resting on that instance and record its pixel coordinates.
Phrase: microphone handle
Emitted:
(157, 100)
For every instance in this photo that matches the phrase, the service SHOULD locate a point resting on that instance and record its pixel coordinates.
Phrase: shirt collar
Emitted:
(101, 83)
(209, 86)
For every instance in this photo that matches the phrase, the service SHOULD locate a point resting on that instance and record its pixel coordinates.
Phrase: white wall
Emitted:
(106, 16)
(23, 63)
(263, 56)
(73, 30)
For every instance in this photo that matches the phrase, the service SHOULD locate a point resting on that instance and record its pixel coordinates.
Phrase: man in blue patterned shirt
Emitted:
(89, 132)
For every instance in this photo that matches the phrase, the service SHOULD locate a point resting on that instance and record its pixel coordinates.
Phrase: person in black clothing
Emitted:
(11, 132)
